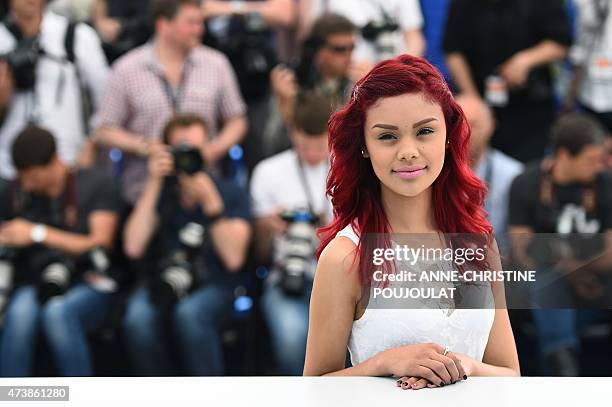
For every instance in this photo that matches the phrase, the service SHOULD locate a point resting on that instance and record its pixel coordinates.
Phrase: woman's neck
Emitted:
(409, 214)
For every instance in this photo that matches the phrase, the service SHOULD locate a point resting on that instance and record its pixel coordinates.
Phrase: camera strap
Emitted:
(12, 27)
(84, 90)
(306, 188)
(386, 17)
(64, 211)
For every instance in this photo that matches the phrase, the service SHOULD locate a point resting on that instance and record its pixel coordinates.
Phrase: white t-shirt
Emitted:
(595, 54)
(406, 13)
(57, 103)
(276, 183)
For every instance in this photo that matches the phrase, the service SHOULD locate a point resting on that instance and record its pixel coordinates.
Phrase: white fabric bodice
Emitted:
(462, 330)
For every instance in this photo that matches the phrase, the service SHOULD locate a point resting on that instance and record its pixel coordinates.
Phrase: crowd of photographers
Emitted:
(155, 185)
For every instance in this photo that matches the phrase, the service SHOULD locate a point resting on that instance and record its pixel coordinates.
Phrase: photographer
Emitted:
(289, 202)
(51, 71)
(325, 65)
(193, 232)
(388, 27)
(58, 222)
(502, 52)
(566, 196)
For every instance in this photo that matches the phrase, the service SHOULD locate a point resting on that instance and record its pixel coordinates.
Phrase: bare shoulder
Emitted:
(338, 267)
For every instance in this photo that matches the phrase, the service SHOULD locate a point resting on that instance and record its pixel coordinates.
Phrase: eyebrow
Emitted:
(385, 126)
(392, 127)
(424, 121)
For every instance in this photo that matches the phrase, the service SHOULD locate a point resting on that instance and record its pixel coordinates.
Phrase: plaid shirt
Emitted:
(138, 100)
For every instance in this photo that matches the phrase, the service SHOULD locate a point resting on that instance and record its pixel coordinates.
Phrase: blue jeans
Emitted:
(557, 328)
(66, 320)
(557, 325)
(287, 317)
(194, 328)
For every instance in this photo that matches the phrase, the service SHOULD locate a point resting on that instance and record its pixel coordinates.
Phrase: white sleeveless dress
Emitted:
(462, 330)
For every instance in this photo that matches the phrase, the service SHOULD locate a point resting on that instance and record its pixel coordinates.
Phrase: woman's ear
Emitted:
(364, 153)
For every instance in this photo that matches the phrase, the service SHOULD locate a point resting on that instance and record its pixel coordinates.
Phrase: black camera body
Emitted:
(22, 62)
(372, 30)
(187, 159)
(182, 269)
(298, 248)
(380, 33)
(54, 269)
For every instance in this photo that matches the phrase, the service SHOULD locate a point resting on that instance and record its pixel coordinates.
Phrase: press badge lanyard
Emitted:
(174, 95)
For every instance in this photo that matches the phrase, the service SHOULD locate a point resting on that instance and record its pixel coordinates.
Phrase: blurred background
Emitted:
(163, 167)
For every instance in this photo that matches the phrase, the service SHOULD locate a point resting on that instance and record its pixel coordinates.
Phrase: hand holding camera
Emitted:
(182, 159)
(161, 162)
(284, 83)
(16, 233)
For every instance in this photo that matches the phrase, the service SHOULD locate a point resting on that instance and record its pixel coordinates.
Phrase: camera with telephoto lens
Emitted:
(381, 33)
(54, 270)
(181, 269)
(187, 159)
(7, 269)
(22, 62)
(297, 248)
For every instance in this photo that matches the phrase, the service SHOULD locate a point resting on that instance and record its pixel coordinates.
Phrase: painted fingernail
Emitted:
(464, 377)
(441, 384)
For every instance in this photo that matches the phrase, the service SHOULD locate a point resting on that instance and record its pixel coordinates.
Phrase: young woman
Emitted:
(399, 165)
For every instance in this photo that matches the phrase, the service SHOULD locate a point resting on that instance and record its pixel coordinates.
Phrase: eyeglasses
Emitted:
(341, 49)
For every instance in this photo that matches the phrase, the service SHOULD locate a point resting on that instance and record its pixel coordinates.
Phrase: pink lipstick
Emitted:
(410, 172)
